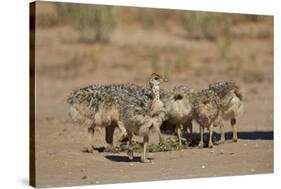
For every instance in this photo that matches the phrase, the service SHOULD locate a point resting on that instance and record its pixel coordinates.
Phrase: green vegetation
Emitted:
(201, 25)
(94, 22)
(169, 145)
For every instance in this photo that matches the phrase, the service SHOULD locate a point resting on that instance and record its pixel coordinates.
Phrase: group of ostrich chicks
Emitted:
(143, 110)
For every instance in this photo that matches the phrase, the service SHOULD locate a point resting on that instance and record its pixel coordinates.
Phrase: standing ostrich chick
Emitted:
(99, 106)
(142, 116)
(178, 103)
(231, 105)
(206, 111)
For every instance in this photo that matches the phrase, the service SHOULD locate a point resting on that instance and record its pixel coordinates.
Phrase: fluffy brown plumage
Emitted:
(99, 105)
(178, 105)
(143, 116)
(231, 105)
(206, 111)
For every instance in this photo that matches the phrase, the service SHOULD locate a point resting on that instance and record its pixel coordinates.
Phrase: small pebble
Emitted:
(131, 164)
(212, 151)
(203, 166)
(84, 177)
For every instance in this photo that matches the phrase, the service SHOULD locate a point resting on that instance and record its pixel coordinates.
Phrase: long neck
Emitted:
(156, 105)
(155, 91)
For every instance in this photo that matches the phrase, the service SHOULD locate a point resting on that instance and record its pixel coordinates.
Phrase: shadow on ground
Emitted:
(193, 141)
(254, 135)
(118, 158)
(247, 135)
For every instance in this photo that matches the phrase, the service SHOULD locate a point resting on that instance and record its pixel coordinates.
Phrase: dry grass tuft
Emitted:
(94, 22)
(201, 25)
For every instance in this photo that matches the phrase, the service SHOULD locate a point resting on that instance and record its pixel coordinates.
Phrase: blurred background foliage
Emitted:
(95, 23)
(202, 25)
(75, 39)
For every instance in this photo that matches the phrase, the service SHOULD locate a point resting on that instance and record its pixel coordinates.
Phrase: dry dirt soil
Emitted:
(64, 64)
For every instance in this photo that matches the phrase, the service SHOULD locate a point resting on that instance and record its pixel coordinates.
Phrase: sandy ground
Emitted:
(64, 64)
(60, 160)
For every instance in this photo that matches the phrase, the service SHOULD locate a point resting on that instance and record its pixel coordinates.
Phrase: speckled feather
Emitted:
(206, 106)
(231, 98)
(92, 96)
(178, 102)
(224, 87)
(143, 113)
